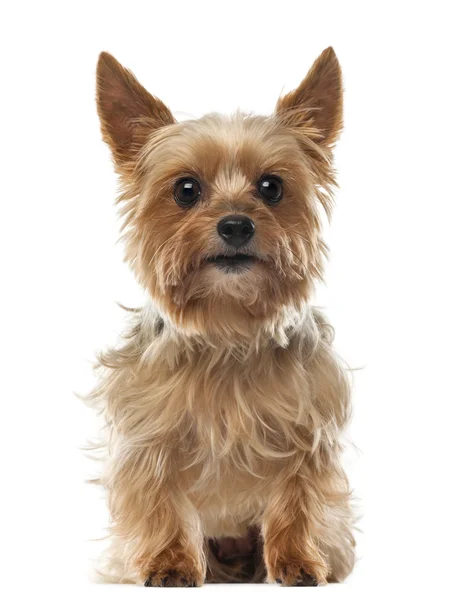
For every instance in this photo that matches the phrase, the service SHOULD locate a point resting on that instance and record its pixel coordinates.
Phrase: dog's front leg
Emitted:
(291, 555)
(159, 528)
(175, 557)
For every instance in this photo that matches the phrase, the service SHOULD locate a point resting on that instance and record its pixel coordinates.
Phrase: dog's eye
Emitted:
(270, 187)
(187, 191)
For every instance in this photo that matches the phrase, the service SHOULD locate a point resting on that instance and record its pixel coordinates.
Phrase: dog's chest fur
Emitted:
(236, 419)
(225, 422)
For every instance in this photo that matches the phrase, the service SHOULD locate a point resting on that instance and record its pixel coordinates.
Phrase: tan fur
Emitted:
(225, 403)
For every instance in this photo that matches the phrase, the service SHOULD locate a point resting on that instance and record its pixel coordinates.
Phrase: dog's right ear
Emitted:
(318, 100)
(128, 113)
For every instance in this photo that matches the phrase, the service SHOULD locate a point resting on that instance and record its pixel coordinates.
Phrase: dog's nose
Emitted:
(236, 230)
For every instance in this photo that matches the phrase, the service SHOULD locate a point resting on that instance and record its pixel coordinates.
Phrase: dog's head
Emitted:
(222, 219)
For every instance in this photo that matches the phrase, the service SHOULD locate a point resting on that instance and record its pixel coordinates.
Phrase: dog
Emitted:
(225, 402)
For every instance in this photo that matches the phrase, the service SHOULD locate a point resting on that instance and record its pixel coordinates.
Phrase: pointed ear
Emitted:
(318, 101)
(127, 112)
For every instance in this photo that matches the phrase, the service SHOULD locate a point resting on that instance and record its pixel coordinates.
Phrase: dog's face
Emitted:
(222, 214)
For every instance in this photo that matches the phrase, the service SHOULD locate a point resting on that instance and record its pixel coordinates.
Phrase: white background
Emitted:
(392, 279)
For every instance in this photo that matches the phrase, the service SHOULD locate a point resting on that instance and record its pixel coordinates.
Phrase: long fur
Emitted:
(225, 402)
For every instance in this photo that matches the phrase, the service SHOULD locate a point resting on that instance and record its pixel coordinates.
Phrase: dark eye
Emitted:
(187, 191)
(270, 187)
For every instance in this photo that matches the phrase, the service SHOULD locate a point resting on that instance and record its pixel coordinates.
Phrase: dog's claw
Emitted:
(306, 580)
(172, 579)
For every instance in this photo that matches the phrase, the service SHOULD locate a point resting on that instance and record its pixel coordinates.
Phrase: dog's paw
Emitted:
(173, 567)
(171, 578)
(297, 574)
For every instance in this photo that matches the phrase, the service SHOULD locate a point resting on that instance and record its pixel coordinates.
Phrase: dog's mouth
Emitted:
(232, 263)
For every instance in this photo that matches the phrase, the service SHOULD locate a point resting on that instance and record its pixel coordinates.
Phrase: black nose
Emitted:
(236, 230)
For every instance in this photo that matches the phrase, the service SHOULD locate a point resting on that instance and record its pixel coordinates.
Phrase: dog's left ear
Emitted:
(318, 101)
(128, 113)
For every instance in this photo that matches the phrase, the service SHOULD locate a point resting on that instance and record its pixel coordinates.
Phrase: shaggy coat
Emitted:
(225, 402)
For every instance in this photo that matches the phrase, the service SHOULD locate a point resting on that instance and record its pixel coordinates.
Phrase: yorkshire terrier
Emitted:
(225, 403)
